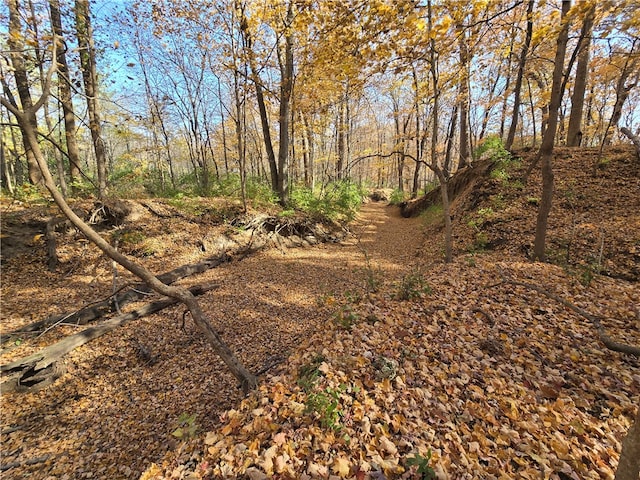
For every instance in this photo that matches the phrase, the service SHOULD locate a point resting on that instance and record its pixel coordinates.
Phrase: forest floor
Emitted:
(390, 353)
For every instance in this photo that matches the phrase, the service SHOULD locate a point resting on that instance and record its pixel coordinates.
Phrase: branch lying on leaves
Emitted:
(602, 334)
(132, 293)
(38, 370)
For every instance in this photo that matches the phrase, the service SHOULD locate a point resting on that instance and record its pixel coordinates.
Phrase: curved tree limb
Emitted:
(602, 334)
(634, 138)
(247, 380)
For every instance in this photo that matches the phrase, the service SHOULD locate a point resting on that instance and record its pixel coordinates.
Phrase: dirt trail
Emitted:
(112, 413)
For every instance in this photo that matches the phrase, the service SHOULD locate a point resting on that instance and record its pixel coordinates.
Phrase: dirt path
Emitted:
(112, 413)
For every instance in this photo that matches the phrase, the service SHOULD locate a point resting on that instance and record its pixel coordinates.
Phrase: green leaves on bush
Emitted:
(338, 200)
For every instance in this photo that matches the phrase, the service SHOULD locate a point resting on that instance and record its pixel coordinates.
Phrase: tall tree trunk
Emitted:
(307, 151)
(64, 86)
(284, 117)
(262, 107)
(465, 151)
(518, 87)
(416, 106)
(240, 121)
(16, 45)
(7, 177)
(448, 234)
(623, 89)
(343, 126)
(546, 149)
(450, 136)
(398, 142)
(57, 154)
(629, 464)
(84, 33)
(507, 83)
(574, 131)
(489, 103)
(225, 154)
(542, 86)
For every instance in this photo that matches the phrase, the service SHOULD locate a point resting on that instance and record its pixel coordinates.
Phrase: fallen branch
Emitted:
(602, 334)
(36, 371)
(634, 138)
(31, 461)
(98, 309)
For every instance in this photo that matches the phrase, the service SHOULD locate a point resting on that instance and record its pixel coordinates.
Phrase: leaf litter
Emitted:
(483, 378)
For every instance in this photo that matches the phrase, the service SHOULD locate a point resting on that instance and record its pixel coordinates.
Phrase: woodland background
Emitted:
(189, 97)
(200, 114)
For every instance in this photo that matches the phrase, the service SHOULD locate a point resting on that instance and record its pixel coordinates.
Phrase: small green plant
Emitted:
(128, 237)
(493, 148)
(187, 427)
(501, 174)
(481, 241)
(326, 406)
(533, 201)
(372, 276)
(603, 162)
(28, 193)
(346, 317)
(309, 373)
(516, 184)
(432, 215)
(287, 213)
(336, 201)
(413, 285)
(483, 215)
(498, 201)
(424, 470)
(587, 272)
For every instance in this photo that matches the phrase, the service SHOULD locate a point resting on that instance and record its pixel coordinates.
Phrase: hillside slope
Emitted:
(594, 225)
(475, 364)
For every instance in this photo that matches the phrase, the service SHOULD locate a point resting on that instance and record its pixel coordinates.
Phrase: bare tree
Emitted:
(518, 87)
(574, 130)
(16, 45)
(284, 51)
(247, 380)
(64, 87)
(546, 149)
(84, 33)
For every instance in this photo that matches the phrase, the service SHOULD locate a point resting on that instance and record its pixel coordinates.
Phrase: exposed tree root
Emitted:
(41, 369)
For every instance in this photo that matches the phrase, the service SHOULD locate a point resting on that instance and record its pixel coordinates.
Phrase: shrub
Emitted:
(413, 285)
(326, 406)
(493, 148)
(339, 200)
(397, 197)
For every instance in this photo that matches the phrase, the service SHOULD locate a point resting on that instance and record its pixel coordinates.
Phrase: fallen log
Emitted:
(136, 292)
(41, 369)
